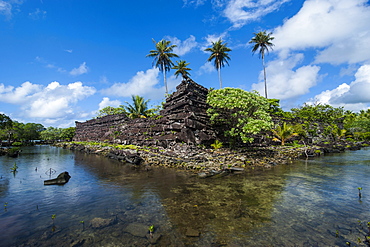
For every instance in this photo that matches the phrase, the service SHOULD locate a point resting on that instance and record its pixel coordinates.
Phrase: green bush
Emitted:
(12, 151)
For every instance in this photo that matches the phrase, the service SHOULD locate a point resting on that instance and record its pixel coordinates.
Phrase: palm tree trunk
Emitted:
(219, 77)
(264, 74)
(164, 78)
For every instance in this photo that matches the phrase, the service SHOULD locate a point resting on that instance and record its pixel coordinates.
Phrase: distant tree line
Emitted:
(13, 131)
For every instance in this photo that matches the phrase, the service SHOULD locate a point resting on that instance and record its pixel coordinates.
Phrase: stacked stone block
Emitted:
(183, 119)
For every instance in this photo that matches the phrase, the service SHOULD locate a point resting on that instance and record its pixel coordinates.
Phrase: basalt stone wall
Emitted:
(183, 119)
(100, 129)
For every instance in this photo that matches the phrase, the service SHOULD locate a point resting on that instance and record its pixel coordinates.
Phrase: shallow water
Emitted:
(307, 203)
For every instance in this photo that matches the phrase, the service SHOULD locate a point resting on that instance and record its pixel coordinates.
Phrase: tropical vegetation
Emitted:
(162, 57)
(139, 108)
(286, 131)
(182, 69)
(219, 55)
(24, 134)
(242, 113)
(262, 43)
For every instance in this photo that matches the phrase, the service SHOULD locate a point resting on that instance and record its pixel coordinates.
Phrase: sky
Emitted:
(62, 61)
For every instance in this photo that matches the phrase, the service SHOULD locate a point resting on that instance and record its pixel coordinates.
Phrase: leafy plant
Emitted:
(53, 216)
(359, 192)
(217, 144)
(14, 168)
(239, 112)
(12, 151)
(151, 230)
(286, 131)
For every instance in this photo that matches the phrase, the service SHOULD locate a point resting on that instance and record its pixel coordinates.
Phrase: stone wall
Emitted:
(183, 119)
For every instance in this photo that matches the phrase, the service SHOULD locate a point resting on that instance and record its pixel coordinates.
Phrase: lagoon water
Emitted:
(307, 203)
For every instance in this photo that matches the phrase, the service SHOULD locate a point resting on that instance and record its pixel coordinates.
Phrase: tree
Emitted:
(319, 113)
(109, 110)
(68, 133)
(139, 108)
(162, 57)
(5, 121)
(182, 69)
(219, 53)
(51, 134)
(6, 125)
(31, 131)
(262, 43)
(286, 131)
(242, 113)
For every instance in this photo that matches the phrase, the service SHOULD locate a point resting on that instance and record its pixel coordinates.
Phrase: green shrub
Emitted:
(217, 144)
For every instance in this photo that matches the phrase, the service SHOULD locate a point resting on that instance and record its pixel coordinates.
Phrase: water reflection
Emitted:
(222, 210)
(309, 203)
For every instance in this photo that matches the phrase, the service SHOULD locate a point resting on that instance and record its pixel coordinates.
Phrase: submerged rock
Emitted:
(137, 229)
(190, 232)
(97, 223)
(153, 238)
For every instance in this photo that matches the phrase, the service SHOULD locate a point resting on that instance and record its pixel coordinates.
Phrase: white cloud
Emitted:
(194, 2)
(208, 67)
(5, 9)
(37, 14)
(83, 69)
(107, 102)
(144, 84)
(241, 12)
(183, 47)
(338, 27)
(211, 38)
(52, 101)
(284, 81)
(353, 96)
(19, 95)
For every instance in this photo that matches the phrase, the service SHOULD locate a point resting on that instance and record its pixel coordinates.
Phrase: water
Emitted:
(307, 203)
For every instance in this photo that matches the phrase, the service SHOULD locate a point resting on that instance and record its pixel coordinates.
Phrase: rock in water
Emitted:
(61, 179)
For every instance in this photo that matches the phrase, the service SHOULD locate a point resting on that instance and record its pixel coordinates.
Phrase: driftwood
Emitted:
(60, 180)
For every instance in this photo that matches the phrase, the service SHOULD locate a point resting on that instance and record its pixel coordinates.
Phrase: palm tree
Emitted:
(262, 43)
(182, 69)
(286, 131)
(162, 57)
(139, 108)
(219, 55)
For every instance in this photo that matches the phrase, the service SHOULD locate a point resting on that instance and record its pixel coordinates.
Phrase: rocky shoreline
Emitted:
(209, 161)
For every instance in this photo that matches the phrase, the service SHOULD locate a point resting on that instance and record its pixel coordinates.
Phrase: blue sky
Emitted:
(63, 60)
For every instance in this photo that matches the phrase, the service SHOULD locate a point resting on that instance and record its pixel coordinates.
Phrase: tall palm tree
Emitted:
(182, 69)
(139, 108)
(219, 53)
(162, 57)
(262, 43)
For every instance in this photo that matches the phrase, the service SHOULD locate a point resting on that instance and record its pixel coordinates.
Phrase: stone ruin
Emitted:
(183, 120)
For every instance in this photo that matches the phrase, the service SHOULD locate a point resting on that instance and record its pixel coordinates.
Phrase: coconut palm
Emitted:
(162, 57)
(286, 131)
(219, 53)
(262, 43)
(182, 69)
(138, 108)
